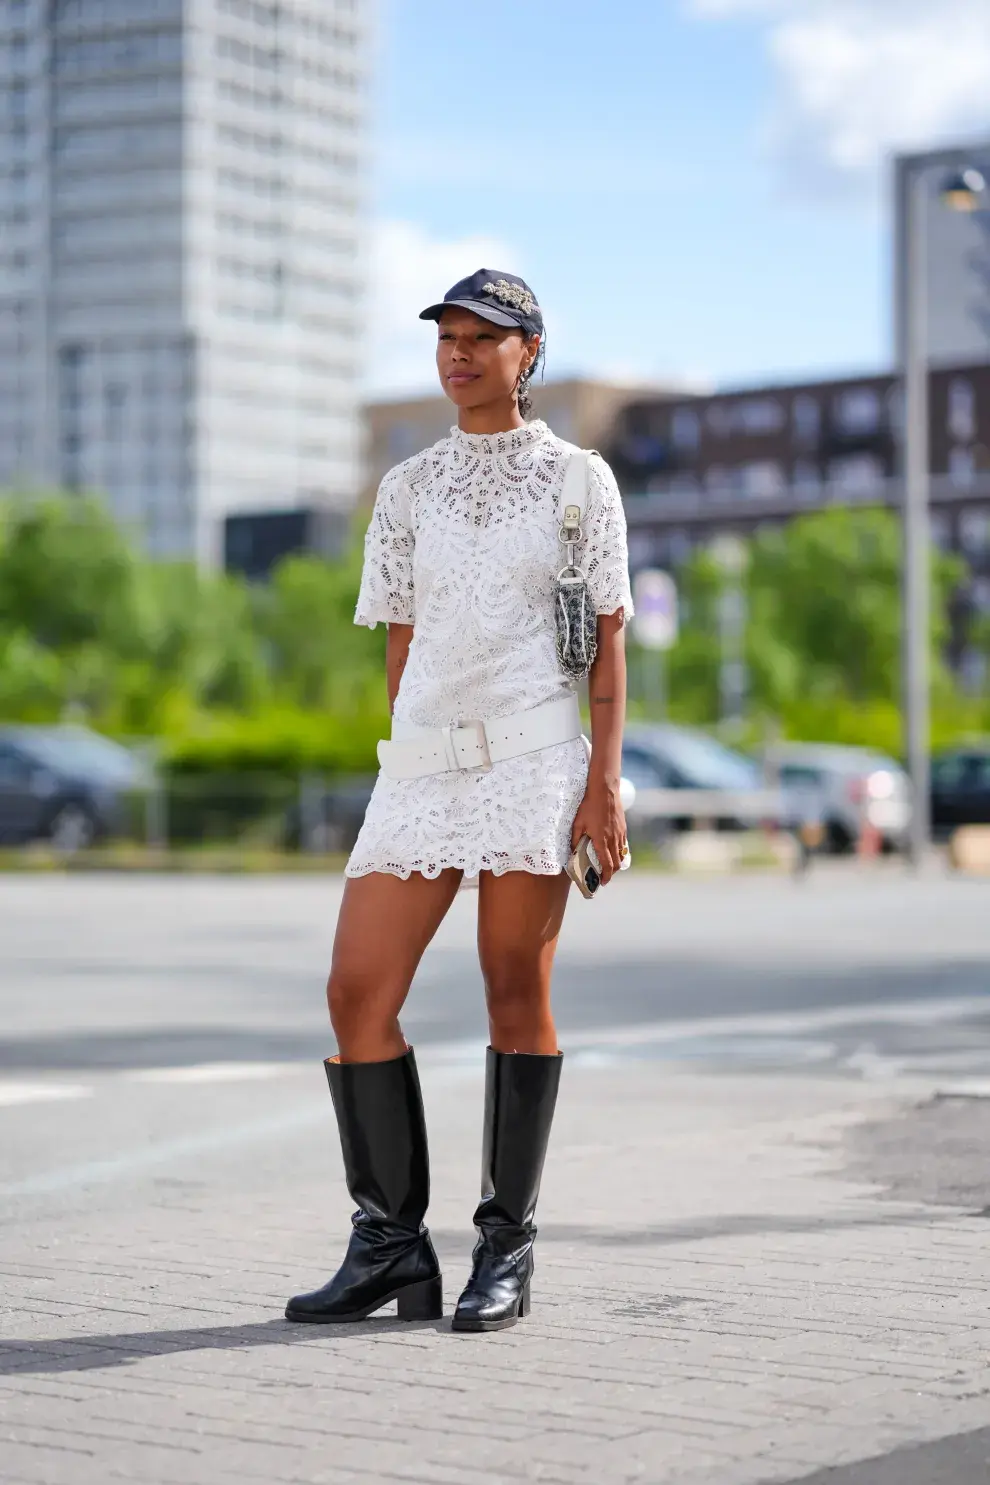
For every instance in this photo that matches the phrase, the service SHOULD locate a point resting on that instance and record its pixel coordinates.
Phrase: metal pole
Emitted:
(916, 594)
(730, 554)
(654, 690)
(156, 811)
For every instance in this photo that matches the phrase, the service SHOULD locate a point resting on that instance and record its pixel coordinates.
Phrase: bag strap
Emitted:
(572, 504)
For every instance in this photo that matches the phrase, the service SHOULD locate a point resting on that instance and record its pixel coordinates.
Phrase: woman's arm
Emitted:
(396, 655)
(601, 815)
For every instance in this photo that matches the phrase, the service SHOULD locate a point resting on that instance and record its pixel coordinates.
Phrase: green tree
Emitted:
(825, 608)
(90, 627)
(692, 666)
(67, 574)
(199, 650)
(33, 683)
(823, 628)
(318, 657)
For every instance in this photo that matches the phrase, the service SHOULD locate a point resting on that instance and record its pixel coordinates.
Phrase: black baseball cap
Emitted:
(502, 298)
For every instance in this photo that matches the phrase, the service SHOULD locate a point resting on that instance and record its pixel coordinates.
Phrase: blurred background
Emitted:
(760, 231)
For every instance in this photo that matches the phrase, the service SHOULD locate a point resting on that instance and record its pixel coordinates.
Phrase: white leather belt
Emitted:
(416, 752)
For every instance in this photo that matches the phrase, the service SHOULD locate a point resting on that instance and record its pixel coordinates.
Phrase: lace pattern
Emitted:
(463, 545)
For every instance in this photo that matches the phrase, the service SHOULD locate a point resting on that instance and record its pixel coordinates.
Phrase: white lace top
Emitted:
(463, 545)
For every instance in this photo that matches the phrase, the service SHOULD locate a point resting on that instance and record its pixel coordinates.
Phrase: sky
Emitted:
(697, 190)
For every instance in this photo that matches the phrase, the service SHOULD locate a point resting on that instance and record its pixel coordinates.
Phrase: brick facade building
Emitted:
(692, 467)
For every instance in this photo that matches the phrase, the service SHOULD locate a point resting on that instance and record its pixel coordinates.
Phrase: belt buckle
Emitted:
(482, 738)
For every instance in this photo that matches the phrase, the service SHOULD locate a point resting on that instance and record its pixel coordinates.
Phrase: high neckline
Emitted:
(512, 441)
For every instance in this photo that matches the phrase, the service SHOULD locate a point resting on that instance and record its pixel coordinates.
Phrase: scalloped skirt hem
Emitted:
(432, 869)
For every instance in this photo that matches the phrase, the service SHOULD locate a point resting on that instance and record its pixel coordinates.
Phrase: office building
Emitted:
(180, 284)
(692, 468)
(579, 409)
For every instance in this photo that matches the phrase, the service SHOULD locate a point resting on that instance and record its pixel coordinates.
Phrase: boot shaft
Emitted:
(520, 1098)
(379, 1109)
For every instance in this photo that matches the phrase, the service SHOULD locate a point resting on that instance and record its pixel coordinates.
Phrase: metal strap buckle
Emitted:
(570, 532)
(570, 526)
(451, 741)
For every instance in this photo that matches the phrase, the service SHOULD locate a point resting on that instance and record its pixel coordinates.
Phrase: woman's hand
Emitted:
(601, 817)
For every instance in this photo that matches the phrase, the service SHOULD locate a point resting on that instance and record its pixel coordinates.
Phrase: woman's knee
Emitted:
(353, 1000)
(516, 993)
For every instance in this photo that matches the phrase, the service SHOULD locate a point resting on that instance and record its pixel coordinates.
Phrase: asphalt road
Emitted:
(117, 991)
(124, 972)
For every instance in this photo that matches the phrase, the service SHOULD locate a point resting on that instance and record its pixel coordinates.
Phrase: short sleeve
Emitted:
(386, 594)
(606, 554)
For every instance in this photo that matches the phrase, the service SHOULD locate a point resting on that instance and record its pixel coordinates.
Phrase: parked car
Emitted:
(960, 788)
(667, 756)
(66, 785)
(328, 819)
(846, 788)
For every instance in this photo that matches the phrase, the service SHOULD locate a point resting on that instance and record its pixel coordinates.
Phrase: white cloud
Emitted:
(857, 78)
(411, 269)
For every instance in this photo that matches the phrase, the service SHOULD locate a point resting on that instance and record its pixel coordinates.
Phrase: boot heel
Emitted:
(524, 1303)
(423, 1301)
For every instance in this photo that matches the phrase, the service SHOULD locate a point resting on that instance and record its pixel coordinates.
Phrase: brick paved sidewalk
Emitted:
(717, 1302)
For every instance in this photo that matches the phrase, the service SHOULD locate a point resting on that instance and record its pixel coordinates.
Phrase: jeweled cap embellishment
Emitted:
(513, 294)
(499, 297)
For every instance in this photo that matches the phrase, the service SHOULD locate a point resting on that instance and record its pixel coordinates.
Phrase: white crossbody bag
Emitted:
(575, 621)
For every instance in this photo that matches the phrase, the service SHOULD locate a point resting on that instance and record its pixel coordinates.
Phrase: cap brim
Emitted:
(480, 307)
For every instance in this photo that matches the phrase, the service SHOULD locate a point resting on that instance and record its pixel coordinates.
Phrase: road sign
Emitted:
(655, 601)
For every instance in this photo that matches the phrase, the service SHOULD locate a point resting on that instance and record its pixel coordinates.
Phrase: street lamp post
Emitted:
(731, 557)
(962, 191)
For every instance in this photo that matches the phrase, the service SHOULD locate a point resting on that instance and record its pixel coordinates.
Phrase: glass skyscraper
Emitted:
(181, 194)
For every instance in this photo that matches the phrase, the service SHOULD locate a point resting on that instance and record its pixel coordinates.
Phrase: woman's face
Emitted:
(478, 362)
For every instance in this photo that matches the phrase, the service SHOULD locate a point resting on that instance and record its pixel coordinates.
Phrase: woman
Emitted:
(461, 560)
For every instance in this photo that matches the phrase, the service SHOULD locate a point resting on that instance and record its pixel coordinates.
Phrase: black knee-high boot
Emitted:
(520, 1095)
(379, 1112)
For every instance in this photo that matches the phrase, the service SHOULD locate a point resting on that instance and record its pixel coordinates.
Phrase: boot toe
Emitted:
(306, 1306)
(491, 1309)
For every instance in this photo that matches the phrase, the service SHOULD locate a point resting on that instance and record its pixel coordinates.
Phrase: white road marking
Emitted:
(99, 1172)
(215, 1072)
(457, 1059)
(599, 1046)
(14, 1092)
(964, 1088)
(927, 1012)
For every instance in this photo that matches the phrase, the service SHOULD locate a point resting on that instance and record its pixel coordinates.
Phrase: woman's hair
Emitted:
(523, 399)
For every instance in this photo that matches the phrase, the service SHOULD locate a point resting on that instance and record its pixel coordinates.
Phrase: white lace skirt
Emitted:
(518, 817)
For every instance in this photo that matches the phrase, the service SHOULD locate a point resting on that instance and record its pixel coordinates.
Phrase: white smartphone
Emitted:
(584, 868)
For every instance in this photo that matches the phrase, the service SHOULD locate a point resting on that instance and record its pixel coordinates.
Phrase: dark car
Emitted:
(960, 788)
(65, 785)
(328, 819)
(672, 757)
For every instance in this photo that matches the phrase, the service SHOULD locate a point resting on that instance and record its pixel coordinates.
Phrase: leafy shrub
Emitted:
(283, 740)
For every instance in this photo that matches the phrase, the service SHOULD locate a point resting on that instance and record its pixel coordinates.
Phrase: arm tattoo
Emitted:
(603, 700)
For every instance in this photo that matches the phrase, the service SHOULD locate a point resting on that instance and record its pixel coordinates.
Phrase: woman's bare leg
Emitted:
(383, 930)
(519, 921)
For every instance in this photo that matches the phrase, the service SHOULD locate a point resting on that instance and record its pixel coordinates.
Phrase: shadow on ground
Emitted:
(99, 1352)
(963, 1459)
(89, 1353)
